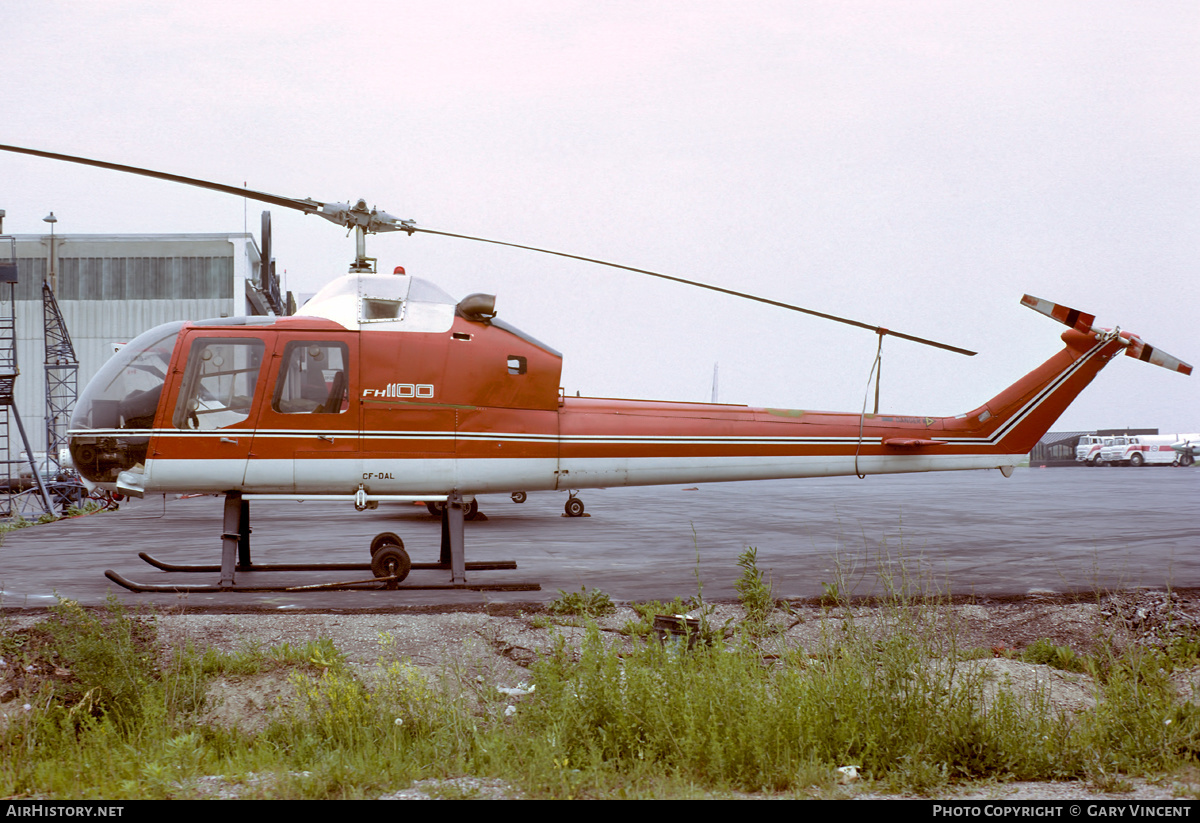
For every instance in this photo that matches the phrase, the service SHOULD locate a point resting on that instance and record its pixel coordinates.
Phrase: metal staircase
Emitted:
(23, 494)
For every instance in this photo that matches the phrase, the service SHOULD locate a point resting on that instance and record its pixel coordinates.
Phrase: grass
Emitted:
(114, 716)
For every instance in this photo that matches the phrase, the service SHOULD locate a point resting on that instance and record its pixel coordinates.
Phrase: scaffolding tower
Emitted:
(62, 390)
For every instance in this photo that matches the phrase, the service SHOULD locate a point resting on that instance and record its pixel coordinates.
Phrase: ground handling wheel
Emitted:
(382, 539)
(519, 497)
(574, 507)
(391, 560)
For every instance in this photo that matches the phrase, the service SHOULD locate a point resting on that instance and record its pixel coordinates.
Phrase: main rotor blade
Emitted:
(369, 220)
(732, 292)
(307, 206)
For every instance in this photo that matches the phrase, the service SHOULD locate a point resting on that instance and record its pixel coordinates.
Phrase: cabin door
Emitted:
(214, 401)
(308, 439)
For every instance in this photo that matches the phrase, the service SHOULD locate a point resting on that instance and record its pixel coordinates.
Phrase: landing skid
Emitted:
(374, 584)
(479, 566)
(389, 564)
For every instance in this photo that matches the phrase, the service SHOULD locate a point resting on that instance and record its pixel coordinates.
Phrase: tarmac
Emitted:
(958, 533)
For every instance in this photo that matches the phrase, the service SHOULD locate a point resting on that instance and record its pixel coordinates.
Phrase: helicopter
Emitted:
(386, 389)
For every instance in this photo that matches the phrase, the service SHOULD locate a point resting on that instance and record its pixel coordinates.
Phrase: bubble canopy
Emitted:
(110, 428)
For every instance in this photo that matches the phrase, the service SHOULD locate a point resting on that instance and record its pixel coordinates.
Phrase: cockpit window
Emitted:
(312, 379)
(219, 383)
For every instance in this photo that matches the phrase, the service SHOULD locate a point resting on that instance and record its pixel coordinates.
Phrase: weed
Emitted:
(17, 522)
(757, 595)
(643, 626)
(1183, 651)
(886, 690)
(108, 654)
(1045, 652)
(725, 720)
(1109, 783)
(703, 611)
(248, 658)
(316, 654)
(1139, 723)
(86, 507)
(831, 595)
(583, 603)
(339, 709)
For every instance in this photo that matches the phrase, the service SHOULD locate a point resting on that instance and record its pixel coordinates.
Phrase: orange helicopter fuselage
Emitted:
(310, 407)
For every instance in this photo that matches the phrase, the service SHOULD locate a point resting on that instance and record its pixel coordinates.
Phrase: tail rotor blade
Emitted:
(1063, 314)
(1135, 347)
(1139, 349)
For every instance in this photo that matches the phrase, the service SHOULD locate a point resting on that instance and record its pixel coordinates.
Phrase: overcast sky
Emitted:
(916, 165)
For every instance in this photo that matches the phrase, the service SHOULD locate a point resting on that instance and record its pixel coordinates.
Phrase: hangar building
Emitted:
(112, 287)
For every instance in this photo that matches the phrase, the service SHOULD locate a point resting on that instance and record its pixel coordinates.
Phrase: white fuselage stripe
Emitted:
(442, 475)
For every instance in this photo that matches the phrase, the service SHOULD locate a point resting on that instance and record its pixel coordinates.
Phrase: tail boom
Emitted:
(627, 442)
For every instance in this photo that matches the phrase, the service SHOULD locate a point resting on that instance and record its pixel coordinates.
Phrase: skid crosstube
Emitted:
(235, 557)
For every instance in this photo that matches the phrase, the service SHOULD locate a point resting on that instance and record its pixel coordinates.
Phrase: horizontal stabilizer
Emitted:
(910, 443)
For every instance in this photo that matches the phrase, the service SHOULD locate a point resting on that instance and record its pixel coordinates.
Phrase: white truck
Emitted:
(1144, 449)
(1088, 450)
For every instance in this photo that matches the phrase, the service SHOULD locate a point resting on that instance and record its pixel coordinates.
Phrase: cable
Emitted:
(863, 416)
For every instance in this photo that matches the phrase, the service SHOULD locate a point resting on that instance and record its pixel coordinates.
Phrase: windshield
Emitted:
(110, 429)
(124, 394)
